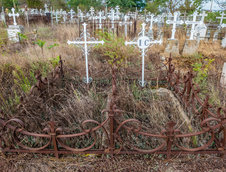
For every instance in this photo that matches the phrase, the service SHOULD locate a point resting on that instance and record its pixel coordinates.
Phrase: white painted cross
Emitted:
(92, 11)
(81, 15)
(193, 23)
(125, 23)
(143, 43)
(14, 16)
(71, 15)
(84, 37)
(100, 18)
(64, 13)
(113, 17)
(203, 15)
(117, 11)
(57, 16)
(151, 20)
(175, 22)
(46, 8)
(221, 19)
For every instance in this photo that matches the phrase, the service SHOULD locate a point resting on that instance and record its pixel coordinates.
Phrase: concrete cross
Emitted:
(174, 22)
(193, 23)
(203, 15)
(14, 16)
(125, 23)
(113, 16)
(221, 19)
(85, 42)
(143, 43)
(100, 18)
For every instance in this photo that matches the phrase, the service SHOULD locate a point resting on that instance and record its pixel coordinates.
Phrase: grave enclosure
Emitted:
(120, 135)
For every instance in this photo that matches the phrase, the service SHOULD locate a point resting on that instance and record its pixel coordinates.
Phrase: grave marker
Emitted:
(100, 18)
(143, 43)
(193, 23)
(174, 22)
(125, 23)
(221, 19)
(113, 16)
(83, 41)
(14, 16)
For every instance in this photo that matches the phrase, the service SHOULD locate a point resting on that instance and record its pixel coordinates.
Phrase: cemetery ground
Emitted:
(66, 99)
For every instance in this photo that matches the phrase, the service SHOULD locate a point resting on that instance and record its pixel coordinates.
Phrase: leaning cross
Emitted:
(221, 19)
(193, 23)
(100, 18)
(87, 80)
(143, 43)
(174, 23)
(14, 16)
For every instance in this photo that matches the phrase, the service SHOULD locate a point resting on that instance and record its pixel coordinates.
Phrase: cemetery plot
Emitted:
(47, 105)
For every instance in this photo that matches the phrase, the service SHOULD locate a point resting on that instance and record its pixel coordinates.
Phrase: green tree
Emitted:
(35, 4)
(10, 3)
(58, 4)
(85, 4)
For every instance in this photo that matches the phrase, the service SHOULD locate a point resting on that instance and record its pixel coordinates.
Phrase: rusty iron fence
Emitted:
(120, 136)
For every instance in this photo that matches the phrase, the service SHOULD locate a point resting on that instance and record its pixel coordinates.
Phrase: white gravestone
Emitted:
(174, 22)
(143, 43)
(83, 41)
(100, 17)
(3, 16)
(223, 76)
(125, 23)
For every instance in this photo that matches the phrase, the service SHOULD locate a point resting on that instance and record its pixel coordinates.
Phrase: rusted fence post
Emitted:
(53, 138)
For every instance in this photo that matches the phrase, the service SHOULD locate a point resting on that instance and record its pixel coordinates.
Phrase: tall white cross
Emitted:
(221, 19)
(113, 16)
(143, 43)
(175, 22)
(193, 23)
(85, 49)
(92, 11)
(100, 18)
(71, 15)
(14, 16)
(57, 15)
(125, 23)
(117, 11)
(203, 15)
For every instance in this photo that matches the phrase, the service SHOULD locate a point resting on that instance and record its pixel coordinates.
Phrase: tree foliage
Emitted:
(9, 3)
(85, 4)
(35, 4)
(126, 5)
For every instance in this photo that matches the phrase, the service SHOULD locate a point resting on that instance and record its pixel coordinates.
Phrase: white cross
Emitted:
(81, 15)
(85, 42)
(64, 16)
(117, 11)
(71, 15)
(100, 17)
(203, 15)
(193, 23)
(174, 23)
(221, 19)
(46, 8)
(14, 16)
(125, 23)
(92, 11)
(113, 17)
(143, 43)
(151, 20)
(57, 15)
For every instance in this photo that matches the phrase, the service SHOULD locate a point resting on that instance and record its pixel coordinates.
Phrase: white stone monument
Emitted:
(143, 43)
(83, 41)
